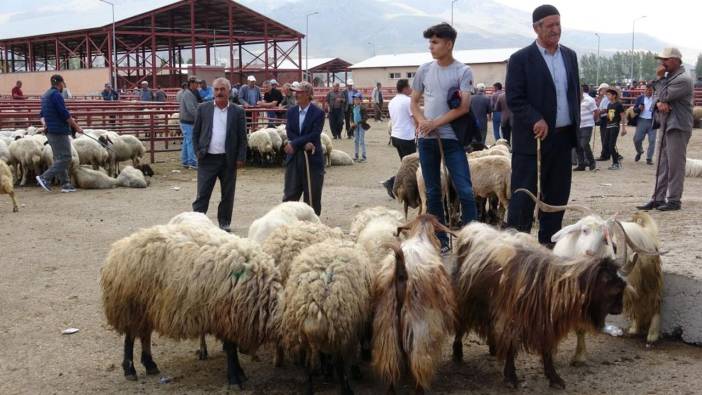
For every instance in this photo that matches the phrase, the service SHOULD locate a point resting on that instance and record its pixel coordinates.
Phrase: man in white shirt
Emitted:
(588, 107)
(219, 141)
(403, 127)
(602, 111)
(644, 125)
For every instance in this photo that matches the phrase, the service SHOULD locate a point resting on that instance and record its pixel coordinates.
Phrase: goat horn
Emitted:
(624, 266)
(635, 247)
(548, 208)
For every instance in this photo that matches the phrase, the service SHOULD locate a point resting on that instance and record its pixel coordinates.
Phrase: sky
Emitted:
(680, 25)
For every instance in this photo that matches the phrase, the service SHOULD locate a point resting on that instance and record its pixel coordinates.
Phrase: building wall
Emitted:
(487, 73)
(80, 82)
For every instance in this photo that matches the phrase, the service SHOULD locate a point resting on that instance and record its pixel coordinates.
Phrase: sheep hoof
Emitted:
(129, 371)
(512, 382)
(578, 363)
(130, 377)
(557, 382)
(15, 209)
(201, 355)
(651, 338)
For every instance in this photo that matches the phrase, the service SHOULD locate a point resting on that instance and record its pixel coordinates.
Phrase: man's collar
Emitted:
(543, 50)
(306, 107)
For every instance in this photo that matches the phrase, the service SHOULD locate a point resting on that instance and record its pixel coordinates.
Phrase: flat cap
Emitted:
(543, 11)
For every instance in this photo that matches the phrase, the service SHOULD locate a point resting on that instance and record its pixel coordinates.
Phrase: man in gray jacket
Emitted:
(219, 140)
(673, 101)
(189, 100)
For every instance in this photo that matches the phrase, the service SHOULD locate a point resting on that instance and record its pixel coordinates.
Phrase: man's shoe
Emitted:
(226, 228)
(67, 188)
(388, 184)
(649, 161)
(652, 204)
(602, 159)
(670, 206)
(580, 168)
(592, 167)
(638, 156)
(43, 183)
(615, 166)
(619, 157)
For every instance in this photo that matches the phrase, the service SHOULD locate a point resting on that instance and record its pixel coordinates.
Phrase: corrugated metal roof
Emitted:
(314, 62)
(470, 56)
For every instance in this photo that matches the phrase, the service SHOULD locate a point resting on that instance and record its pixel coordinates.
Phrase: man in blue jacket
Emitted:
(59, 123)
(304, 150)
(543, 93)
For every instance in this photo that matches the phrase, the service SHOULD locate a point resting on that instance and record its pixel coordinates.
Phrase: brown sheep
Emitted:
(6, 184)
(405, 188)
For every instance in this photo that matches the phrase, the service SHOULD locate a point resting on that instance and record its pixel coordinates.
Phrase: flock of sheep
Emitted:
(329, 300)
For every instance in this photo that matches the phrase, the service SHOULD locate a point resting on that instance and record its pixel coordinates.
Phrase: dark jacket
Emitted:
(54, 112)
(531, 96)
(309, 133)
(235, 144)
(676, 90)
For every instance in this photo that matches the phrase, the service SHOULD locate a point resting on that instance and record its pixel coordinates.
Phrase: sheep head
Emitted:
(604, 289)
(425, 226)
(590, 236)
(626, 242)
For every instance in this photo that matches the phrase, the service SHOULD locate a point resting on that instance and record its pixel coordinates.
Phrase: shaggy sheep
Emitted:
(696, 113)
(6, 186)
(87, 178)
(340, 158)
(693, 167)
(405, 187)
(25, 154)
(284, 213)
(327, 307)
(91, 152)
(260, 146)
(4, 152)
(414, 307)
(362, 219)
(276, 140)
(374, 229)
(327, 147)
(520, 296)
(492, 177)
(495, 150)
(130, 177)
(158, 279)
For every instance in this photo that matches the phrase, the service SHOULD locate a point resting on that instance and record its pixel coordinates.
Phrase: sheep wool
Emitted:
(284, 213)
(6, 184)
(340, 158)
(693, 167)
(130, 177)
(361, 220)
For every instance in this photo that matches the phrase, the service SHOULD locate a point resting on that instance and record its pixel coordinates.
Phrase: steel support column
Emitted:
(299, 56)
(192, 36)
(265, 48)
(230, 24)
(153, 51)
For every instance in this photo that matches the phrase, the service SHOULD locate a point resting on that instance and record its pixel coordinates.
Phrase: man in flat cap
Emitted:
(543, 93)
(673, 110)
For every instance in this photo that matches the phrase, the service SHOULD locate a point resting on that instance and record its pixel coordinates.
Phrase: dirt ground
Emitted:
(52, 250)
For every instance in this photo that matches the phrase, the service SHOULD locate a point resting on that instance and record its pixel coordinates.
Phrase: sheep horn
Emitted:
(635, 247)
(621, 260)
(548, 208)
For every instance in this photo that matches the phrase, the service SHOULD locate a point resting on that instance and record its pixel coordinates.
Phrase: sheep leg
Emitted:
(15, 208)
(309, 385)
(510, 373)
(458, 344)
(235, 374)
(633, 328)
(366, 341)
(202, 352)
(146, 358)
(654, 329)
(580, 350)
(555, 380)
(326, 366)
(491, 344)
(278, 357)
(342, 372)
(128, 360)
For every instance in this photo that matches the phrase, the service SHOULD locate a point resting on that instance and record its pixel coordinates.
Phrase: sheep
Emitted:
(130, 177)
(362, 219)
(327, 147)
(502, 142)
(405, 187)
(520, 296)
(327, 306)
(414, 307)
(492, 177)
(339, 158)
(260, 146)
(92, 152)
(693, 167)
(497, 149)
(120, 148)
(87, 178)
(284, 213)
(47, 157)
(374, 229)
(697, 113)
(6, 184)
(25, 154)
(158, 279)
(276, 140)
(4, 152)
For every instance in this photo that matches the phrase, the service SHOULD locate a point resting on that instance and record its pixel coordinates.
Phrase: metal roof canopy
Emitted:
(470, 56)
(159, 40)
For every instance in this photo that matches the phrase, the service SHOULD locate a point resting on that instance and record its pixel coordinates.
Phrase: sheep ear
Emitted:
(564, 232)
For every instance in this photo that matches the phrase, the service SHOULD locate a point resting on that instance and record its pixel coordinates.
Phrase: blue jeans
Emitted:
(643, 129)
(359, 140)
(496, 122)
(457, 164)
(187, 152)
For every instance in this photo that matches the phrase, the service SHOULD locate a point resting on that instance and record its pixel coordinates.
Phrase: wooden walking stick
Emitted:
(309, 179)
(538, 176)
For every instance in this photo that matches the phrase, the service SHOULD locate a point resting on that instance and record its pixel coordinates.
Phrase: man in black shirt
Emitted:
(615, 116)
(271, 98)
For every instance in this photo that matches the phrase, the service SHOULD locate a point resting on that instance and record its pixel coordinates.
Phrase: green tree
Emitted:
(617, 67)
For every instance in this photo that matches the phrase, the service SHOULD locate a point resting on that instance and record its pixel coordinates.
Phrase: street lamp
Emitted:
(597, 79)
(633, 26)
(307, 39)
(114, 46)
(452, 3)
(372, 44)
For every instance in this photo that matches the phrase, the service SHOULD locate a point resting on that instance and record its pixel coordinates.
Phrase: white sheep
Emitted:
(25, 154)
(497, 149)
(158, 279)
(340, 158)
(693, 167)
(6, 186)
(92, 152)
(492, 177)
(87, 178)
(261, 146)
(327, 307)
(327, 147)
(4, 152)
(361, 220)
(284, 213)
(47, 157)
(130, 177)
(120, 148)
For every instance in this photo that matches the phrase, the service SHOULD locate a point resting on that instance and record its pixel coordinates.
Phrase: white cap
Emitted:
(603, 85)
(144, 83)
(251, 78)
(349, 82)
(274, 82)
(480, 86)
(295, 84)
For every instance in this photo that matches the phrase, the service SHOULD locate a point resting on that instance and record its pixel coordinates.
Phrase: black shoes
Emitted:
(649, 162)
(653, 204)
(602, 159)
(638, 156)
(580, 168)
(670, 206)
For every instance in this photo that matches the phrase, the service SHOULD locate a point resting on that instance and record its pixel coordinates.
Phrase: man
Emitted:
(160, 95)
(543, 93)
(17, 91)
(205, 91)
(403, 128)
(673, 100)
(434, 81)
(505, 117)
(189, 100)
(336, 105)
(234, 95)
(349, 92)
(219, 140)
(496, 114)
(603, 103)
(377, 97)
(145, 93)
(109, 94)
(304, 127)
(59, 123)
(288, 97)
(698, 83)
(250, 94)
(271, 99)
(183, 88)
(587, 122)
(480, 106)
(643, 107)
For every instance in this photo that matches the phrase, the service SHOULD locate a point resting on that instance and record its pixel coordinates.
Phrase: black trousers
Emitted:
(506, 130)
(556, 175)
(209, 169)
(336, 121)
(296, 182)
(611, 135)
(348, 115)
(404, 147)
(604, 153)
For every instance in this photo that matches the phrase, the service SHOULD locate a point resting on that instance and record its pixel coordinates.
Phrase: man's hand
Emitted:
(426, 126)
(289, 149)
(309, 147)
(663, 107)
(660, 71)
(240, 164)
(540, 130)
